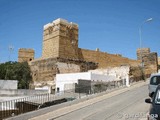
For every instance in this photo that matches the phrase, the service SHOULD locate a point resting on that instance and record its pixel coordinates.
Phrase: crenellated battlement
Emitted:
(60, 21)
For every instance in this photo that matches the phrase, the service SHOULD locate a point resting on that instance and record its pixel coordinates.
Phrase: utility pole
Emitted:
(11, 49)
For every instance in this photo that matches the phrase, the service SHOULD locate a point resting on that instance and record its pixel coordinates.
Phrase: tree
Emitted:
(23, 74)
(2, 71)
(16, 71)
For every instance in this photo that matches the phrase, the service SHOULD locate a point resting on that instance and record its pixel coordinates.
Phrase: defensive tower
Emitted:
(60, 39)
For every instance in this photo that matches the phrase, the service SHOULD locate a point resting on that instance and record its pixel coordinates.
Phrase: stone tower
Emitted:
(25, 55)
(142, 52)
(60, 39)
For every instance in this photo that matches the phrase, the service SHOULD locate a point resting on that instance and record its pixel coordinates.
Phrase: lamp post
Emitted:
(140, 35)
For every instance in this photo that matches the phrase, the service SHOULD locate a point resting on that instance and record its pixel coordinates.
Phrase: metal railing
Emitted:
(19, 106)
(22, 105)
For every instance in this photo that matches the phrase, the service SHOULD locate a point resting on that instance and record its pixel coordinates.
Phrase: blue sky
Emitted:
(111, 25)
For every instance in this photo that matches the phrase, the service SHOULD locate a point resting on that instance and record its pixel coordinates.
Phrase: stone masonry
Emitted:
(45, 70)
(25, 55)
(142, 52)
(60, 39)
(61, 54)
(149, 61)
(104, 59)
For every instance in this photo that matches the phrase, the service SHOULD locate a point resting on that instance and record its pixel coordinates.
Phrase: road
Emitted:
(123, 104)
(128, 105)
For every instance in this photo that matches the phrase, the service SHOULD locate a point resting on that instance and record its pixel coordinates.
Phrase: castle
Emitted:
(61, 54)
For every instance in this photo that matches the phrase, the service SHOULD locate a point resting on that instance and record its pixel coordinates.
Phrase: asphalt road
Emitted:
(128, 105)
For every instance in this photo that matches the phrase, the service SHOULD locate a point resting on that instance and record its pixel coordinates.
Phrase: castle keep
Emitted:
(61, 54)
(60, 39)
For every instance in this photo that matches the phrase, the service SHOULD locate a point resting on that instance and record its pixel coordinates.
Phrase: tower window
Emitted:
(58, 90)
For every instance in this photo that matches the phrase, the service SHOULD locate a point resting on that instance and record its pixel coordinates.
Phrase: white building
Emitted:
(121, 72)
(8, 84)
(68, 81)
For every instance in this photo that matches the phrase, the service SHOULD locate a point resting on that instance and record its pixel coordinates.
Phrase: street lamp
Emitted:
(140, 35)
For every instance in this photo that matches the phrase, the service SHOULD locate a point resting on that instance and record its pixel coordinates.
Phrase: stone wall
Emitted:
(148, 60)
(142, 52)
(25, 55)
(105, 59)
(45, 70)
(158, 60)
(150, 63)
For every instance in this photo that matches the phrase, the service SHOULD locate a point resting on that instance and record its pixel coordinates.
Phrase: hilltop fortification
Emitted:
(61, 54)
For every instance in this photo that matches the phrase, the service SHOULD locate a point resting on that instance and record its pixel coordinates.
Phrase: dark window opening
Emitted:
(58, 89)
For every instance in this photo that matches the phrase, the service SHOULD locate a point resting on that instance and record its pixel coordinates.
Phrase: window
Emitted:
(58, 90)
(157, 98)
(155, 80)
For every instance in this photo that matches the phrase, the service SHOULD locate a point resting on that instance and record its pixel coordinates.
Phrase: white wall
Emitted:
(20, 92)
(45, 88)
(67, 67)
(8, 84)
(103, 78)
(70, 78)
(119, 72)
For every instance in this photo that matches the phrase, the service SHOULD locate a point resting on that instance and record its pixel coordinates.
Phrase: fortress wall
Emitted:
(104, 59)
(150, 63)
(142, 52)
(25, 55)
(158, 60)
(45, 70)
(60, 54)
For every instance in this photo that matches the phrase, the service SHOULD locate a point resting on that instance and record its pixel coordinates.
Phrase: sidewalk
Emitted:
(62, 111)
